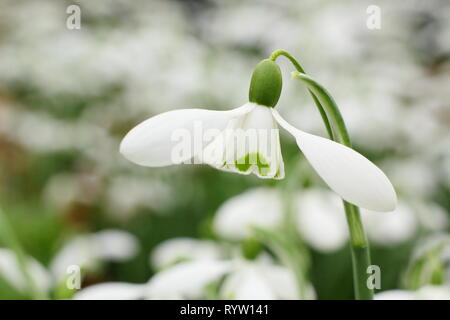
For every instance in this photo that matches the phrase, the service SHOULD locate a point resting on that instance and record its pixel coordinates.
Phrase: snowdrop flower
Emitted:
(422, 182)
(260, 280)
(205, 268)
(174, 250)
(10, 271)
(236, 216)
(186, 280)
(430, 262)
(244, 279)
(393, 227)
(440, 241)
(403, 223)
(88, 251)
(424, 293)
(245, 140)
(431, 216)
(320, 220)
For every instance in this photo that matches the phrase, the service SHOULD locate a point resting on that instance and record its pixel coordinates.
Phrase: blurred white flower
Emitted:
(244, 279)
(439, 241)
(111, 291)
(126, 194)
(424, 293)
(319, 216)
(321, 220)
(439, 245)
(422, 182)
(186, 280)
(260, 207)
(11, 273)
(391, 228)
(403, 223)
(431, 216)
(260, 280)
(177, 249)
(88, 251)
(429, 262)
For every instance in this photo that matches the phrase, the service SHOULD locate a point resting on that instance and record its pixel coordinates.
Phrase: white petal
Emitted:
(77, 251)
(321, 221)
(249, 144)
(247, 284)
(260, 279)
(259, 207)
(176, 249)
(111, 291)
(282, 282)
(114, 245)
(152, 142)
(432, 292)
(347, 172)
(186, 280)
(10, 271)
(391, 228)
(86, 251)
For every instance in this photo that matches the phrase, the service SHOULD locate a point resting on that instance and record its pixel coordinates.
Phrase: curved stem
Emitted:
(7, 233)
(359, 244)
(326, 99)
(299, 68)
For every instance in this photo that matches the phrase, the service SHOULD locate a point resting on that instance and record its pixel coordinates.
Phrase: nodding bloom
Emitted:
(245, 140)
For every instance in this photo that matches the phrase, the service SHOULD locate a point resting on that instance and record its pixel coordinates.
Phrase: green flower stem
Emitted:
(359, 245)
(297, 66)
(330, 105)
(360, 252)
(10, 240)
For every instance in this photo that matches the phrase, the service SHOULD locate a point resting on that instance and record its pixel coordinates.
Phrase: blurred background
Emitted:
(67, 98)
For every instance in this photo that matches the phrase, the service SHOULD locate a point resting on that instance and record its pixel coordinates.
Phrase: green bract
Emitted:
(266, 84)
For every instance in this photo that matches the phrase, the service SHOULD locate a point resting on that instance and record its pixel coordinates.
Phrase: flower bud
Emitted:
(266, 84)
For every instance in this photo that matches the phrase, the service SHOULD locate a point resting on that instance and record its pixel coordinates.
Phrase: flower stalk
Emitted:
(246, 141)
(358, 240)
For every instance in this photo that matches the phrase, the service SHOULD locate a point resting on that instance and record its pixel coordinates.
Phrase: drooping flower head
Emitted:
(246, 140)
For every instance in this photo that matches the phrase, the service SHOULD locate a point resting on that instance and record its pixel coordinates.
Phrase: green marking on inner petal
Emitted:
(278, 174)
(243, 164)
